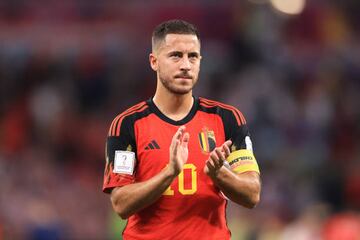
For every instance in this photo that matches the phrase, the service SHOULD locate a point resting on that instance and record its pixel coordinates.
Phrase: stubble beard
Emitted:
(170, 85)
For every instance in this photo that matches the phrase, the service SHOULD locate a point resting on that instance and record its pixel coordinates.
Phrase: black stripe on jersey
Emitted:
(113, 144)
(224, 106)
(155, 144)
(229, 121)
(129, 121)
(116, 120)
(127, 132)
(126, 114)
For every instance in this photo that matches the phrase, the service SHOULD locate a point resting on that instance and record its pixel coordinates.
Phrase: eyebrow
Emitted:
(196, 54)
(175, 53)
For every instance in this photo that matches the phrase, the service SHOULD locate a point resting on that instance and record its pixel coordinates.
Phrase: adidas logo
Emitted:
(152, 145)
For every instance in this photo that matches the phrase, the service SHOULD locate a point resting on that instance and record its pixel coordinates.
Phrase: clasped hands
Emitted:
(179, 154)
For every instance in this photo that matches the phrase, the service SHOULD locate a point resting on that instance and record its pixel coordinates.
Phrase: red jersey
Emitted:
(138, 148)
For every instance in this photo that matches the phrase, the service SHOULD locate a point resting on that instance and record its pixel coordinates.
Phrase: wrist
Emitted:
(214, 174)
(171, 171)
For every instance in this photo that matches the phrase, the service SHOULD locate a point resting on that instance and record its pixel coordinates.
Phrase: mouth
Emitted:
(183, 77)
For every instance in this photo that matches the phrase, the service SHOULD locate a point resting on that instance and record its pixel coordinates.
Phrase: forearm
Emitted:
(131, 198)
(243, 188)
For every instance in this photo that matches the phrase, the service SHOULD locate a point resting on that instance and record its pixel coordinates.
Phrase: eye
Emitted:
(193, 56)
(176, 55)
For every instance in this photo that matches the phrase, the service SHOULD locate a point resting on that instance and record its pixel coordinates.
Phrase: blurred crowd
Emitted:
(68, 67)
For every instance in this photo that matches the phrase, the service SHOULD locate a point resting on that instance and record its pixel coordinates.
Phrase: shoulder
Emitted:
(225, 111)
(128, 117)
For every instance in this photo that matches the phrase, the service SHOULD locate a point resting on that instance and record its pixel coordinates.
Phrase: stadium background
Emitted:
(68, 67)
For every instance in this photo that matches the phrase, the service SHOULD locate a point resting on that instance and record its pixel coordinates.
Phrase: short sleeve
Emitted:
(242, 158)
(120, 155)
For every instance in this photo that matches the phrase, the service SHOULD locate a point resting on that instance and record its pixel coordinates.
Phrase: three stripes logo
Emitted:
(152, 145)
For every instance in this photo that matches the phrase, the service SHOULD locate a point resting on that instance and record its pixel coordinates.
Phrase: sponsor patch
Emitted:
(124, 162)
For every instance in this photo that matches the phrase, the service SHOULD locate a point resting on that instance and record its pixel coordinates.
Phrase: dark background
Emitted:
(67, 68)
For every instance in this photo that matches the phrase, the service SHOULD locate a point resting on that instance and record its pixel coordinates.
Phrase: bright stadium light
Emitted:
(292, 7)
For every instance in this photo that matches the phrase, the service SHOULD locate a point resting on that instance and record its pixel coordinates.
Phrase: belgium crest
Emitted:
(207, 140)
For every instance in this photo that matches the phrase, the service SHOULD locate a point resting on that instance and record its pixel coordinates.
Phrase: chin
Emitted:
(178, 88)
(181, 91)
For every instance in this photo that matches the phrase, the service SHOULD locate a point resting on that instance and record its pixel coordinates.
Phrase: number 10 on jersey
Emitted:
(181, 182)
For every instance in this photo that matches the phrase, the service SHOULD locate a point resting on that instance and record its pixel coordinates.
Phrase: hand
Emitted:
(217, 158)
(179, 150)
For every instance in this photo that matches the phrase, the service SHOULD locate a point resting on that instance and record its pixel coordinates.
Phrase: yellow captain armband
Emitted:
(242, 160)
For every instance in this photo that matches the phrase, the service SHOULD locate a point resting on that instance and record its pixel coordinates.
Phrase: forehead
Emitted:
(181, 42)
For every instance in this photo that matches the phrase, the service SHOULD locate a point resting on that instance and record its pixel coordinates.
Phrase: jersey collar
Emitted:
(183, 121)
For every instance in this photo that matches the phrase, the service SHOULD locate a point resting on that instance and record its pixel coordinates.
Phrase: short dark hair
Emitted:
(174, 26)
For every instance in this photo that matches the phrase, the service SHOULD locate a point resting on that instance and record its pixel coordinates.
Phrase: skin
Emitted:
(176, 60)
(177, 63)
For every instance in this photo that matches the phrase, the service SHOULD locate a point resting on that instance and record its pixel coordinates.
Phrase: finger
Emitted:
(177, 138)
(177, 135)
(228, 143)
(220, 154)
(215, 159)
(181, 129)
(214, 156)
(226, 150)
(185, 139)
(176, 146)
(179, 132)
(221, 157)
(210, 164)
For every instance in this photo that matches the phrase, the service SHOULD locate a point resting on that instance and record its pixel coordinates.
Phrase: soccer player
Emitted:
(173, 161)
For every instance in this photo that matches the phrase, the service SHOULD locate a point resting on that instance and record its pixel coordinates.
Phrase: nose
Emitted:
(185, 64)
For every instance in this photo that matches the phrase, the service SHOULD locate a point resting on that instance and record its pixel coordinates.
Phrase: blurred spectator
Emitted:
(344, 226)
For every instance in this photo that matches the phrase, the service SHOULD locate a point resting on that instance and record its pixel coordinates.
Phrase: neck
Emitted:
(173, 106)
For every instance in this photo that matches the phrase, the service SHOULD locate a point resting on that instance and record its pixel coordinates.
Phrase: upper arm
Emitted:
(241, 158)
(120, 155)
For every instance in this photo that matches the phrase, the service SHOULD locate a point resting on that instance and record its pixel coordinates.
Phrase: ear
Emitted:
(153, 62)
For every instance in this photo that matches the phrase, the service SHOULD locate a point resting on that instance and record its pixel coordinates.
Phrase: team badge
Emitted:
(207, 140)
